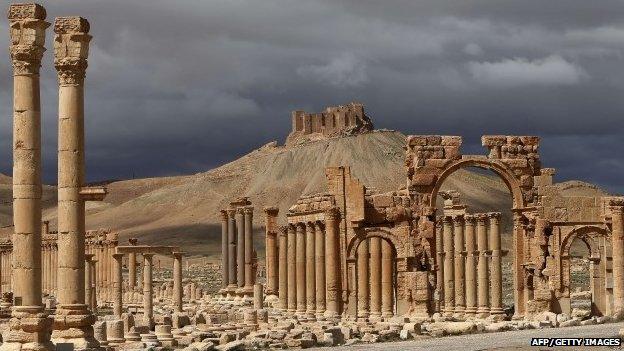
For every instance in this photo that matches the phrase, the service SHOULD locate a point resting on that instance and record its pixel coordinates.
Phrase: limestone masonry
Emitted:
(347, 265)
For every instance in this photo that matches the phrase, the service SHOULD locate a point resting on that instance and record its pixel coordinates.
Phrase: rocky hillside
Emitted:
(184, 210)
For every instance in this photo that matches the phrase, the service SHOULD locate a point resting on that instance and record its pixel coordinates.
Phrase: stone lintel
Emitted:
(95, 193)
(147, 249)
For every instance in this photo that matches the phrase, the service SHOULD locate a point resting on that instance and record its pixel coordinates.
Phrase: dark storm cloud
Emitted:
(180, 87)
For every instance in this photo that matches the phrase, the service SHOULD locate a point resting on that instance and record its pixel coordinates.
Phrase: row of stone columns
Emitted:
(238, 256)
(49, 251)
(467, 245)
(6, 253)
(375, 272)
(102, 246)
(303, 266)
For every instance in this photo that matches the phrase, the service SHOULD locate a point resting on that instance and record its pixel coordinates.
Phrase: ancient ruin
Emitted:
(349, 264)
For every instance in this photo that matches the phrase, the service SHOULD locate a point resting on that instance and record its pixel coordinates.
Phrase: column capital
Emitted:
(332, 214)
(319, 225)
(480, 218)
(71, 49)
(148, 255)
(133, 241)
(178, 254)
(224, 215)
(494, 216)
(470, 219)
(271, 211)
(27, 26)
(240, 211)
(447, 220)
(231, 212)
(248, 210)
(458, 219)
(118, 256)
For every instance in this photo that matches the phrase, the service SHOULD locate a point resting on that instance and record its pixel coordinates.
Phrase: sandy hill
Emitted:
(184, 210)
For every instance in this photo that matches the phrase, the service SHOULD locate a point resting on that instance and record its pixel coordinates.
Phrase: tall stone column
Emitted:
(471, 267)
(272, 256)
(482, 268)
(332, 264)
(310, 270)
(177, 281)
(439, 245)
(249, 277)
(292, 269)
(45, 252)
(449, 266)
(283, 268)
(29, 326)
(232, 251)
(118, 285)
(363, 301)
(148, 291)
(375, 274)
(71, 48)
(496, 269)
(93, 302)
(132, 265)
(301, 269)
(319, 259)
(224, 251)
(460, 264)
(387, 274)
(617, 244)
(240, 250)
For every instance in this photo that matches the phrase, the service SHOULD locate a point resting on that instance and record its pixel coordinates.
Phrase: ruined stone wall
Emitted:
(334, 121)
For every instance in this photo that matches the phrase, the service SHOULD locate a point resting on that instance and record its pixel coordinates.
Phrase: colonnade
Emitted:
(375, 275)
(237, 251)
(469, 274)
(303, 265)
(6, 256)
(101, 245)
(49, 258)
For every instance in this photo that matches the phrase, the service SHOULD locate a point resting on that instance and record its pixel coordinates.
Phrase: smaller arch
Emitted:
(586, 233)
(506, 174)
(372, 233)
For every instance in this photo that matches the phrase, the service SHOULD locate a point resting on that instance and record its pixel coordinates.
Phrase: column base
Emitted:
(73, 324)
(471, 311)
(29, 330)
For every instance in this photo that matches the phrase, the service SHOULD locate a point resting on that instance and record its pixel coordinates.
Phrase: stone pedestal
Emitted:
(29, 326)
(115, 332)
(164, 336)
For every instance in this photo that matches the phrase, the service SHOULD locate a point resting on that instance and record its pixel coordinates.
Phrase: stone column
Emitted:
(482, 268)
(387, 275)
(45, 268)
(319, 259)
(249, 277)
(617, 244)
(439, 245)
(449, 266)
(224, 251)
(310, 270)
(375, 277)
(118, 285)
(240, 250)
(132, 265)
(271, 262)
(460, 264)
(496, 269)
(283, 268)
(292, 271)
(332, 264)
(148, 292)
(232, 251)
(363, 301)
(301, 269)
(177, 281)
(88, 283)
(471, 267)
(93, 302)
(29, 326)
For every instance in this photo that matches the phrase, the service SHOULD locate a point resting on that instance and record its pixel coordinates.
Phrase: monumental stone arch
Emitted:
(431, 159)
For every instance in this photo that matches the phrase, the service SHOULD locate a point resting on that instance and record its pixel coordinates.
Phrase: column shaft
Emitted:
(460, 264)
(148, 292)
(177, 281)
(310, 270)
(319, 260)
(232, 250)
(617, 244)
(471, 267)
(224, 250)
(292, 270)
(283, 269)
(332, 264)
(439, 245)
(375, 273)
(387, 278)
(482, 268)
(496, 292)
(118, 286)
(240, 248)
(449, 266)
(301, 268)
(132, 271)
(249, 277)
(363, 278)
(272, 254)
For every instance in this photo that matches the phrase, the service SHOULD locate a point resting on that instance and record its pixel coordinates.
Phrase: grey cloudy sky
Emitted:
(177, 87)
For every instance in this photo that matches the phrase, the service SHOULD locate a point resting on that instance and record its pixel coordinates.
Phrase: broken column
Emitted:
(29, 326)
(272, 255)
(177, 281)
(333, 291)
(496, 292)
(483, 279)
(471, 266)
